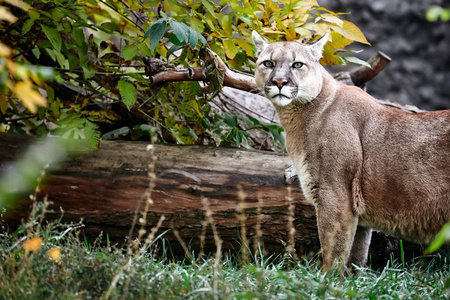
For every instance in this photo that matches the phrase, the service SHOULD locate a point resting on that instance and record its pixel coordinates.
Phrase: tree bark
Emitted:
(105, 188)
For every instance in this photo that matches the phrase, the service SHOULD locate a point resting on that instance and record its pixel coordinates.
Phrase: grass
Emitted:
(59, 264)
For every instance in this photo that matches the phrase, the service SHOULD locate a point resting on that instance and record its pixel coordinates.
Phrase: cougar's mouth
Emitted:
(281, 99)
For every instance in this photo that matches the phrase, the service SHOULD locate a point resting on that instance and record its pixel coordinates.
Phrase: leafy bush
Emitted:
(92, 53)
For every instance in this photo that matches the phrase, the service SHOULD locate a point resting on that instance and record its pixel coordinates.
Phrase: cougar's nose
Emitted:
(279, 82)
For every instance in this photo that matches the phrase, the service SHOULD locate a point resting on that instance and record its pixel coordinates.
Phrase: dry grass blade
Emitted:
(291, 229)
(242, 220)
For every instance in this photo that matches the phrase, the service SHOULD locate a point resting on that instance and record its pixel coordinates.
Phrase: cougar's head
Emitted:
(289, 72)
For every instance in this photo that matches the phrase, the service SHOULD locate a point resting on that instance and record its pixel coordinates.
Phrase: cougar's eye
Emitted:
(297, 65)
(268, 64)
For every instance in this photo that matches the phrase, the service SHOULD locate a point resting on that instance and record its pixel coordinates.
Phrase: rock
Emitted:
(420, 70)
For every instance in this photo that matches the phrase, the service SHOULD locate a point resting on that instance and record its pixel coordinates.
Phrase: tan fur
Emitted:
(362, 165)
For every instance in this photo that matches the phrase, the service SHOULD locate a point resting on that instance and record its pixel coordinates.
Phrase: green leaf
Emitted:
(36, 52)
(433, 13)
(54, 107)
(445, 15)
(174, 40)
(194, 105)
(442, 237)
(78, 35)
(53, 36)
(202, 39)
(172, 50)
(144, 50)
(127, 92)
(181, 30)
(256, 122)
(156, 31)
(197, 24)
(358, 61)
(247, 121)
(92, 134)
(209, 7)
(276, 131)
(231, 120)
(192, 133)
(129, 52)
(215, 77)
(88, 72)
(193, 38)
(34, 14)
(27, 26)
(114, 134)
(144, 130)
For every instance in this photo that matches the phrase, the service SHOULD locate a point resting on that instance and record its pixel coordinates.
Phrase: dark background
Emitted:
(419, 73)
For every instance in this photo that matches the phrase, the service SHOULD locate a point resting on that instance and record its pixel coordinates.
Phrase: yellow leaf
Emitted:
(5, 51)
(318, 28)
(29, 97)
(5, 15)
(197, 24)
(312, 2)
(338, 41)
(230, 48)
(3, 104)
(12, 67)
(290, 34)
(305, 34)
(244, 44)
(332, 19)
(330, 58)
(55, 254)
(19, 4)
(33, 244)
(350, 31)
(227, 25)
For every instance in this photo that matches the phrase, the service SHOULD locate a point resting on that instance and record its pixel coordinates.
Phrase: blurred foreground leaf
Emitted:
(20, 178)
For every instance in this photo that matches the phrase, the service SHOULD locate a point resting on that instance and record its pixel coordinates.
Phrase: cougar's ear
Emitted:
(260, 43)
(316, 47)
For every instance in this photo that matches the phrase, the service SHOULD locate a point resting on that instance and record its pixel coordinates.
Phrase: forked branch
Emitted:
(160, 72)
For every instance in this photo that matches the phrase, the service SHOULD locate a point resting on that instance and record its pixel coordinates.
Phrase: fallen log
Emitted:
(106, 187)
(109, 187)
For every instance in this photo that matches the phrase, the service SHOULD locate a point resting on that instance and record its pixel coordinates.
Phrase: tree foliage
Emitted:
(74, 68)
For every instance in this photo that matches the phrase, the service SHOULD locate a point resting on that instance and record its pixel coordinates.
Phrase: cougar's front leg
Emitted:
(337, 225)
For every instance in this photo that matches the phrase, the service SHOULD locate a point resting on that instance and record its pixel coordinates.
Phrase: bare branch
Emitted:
(161, 72)
(364, 74)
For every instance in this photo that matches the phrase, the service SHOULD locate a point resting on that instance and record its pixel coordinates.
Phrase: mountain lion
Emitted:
(364, 166)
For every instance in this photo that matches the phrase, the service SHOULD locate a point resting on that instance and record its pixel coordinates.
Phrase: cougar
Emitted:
(362, 165)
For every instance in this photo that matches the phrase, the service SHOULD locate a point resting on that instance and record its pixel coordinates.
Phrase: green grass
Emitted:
(96, 270)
